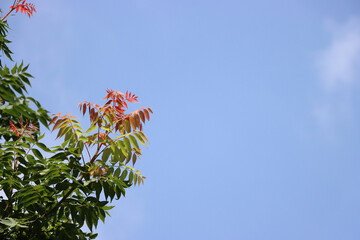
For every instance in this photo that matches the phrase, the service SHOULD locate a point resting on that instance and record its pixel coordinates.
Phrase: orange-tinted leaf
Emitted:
(143, 136)
(57, 124)
(142, 116)
(134, 157)
(137, 118)
(53, 120)
(147, 115)
(133, 122)
(61, 133)
(65, 123)
(65, 116)
(125, 104)
(127, 125)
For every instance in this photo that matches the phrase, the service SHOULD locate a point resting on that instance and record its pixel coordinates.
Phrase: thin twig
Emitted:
(16, 2)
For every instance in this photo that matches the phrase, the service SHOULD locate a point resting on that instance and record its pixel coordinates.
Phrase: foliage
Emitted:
(50, 193)
(14, 105)
(23, 6)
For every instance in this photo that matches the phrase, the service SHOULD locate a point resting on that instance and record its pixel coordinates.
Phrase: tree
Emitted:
(52, 197)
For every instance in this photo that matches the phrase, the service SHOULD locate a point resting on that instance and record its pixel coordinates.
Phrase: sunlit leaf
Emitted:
(127, 143)
(92, 128)
(146, 113)
(143, 136)
(139, 137)
(127, 126)
(134, 142)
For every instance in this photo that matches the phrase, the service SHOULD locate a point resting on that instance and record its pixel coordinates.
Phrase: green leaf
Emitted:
(122, 147)
(25, 68)
(143, 136)
(43, 147)
(106, 154)
(10, 222)
(106, 189)
(110, 171)
(117, 172)
(65, 143)
(80, 146)
(134, 157)
(20, 66)
(45, 171)
(88, 218)
(134, 142)
(13, 70)
(28, 75)
(141, 140)
(37, 153)
(89, 181)
(107, 208)
(128, 158)
(111, 190)
(98, 189)
(107, 129)
(30, 200)
(81, 216)
(94, 236)
(127, 143)
(131, 177)
(92, 128)
(31, 158)
(102, 215)
(123, 175)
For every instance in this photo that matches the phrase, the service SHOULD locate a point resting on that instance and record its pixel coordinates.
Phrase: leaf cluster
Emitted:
(52, 192)
(14, 105)
(24, 7)
(47, 197)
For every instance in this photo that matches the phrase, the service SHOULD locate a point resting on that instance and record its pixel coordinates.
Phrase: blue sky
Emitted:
(255, 133)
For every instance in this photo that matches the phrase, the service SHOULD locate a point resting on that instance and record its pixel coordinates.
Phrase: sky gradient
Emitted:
(255, 133)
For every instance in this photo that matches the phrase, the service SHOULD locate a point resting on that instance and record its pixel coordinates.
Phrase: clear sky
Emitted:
(256, 126)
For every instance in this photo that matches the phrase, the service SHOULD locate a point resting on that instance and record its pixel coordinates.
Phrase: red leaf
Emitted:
(125, 104)
(84, 108)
